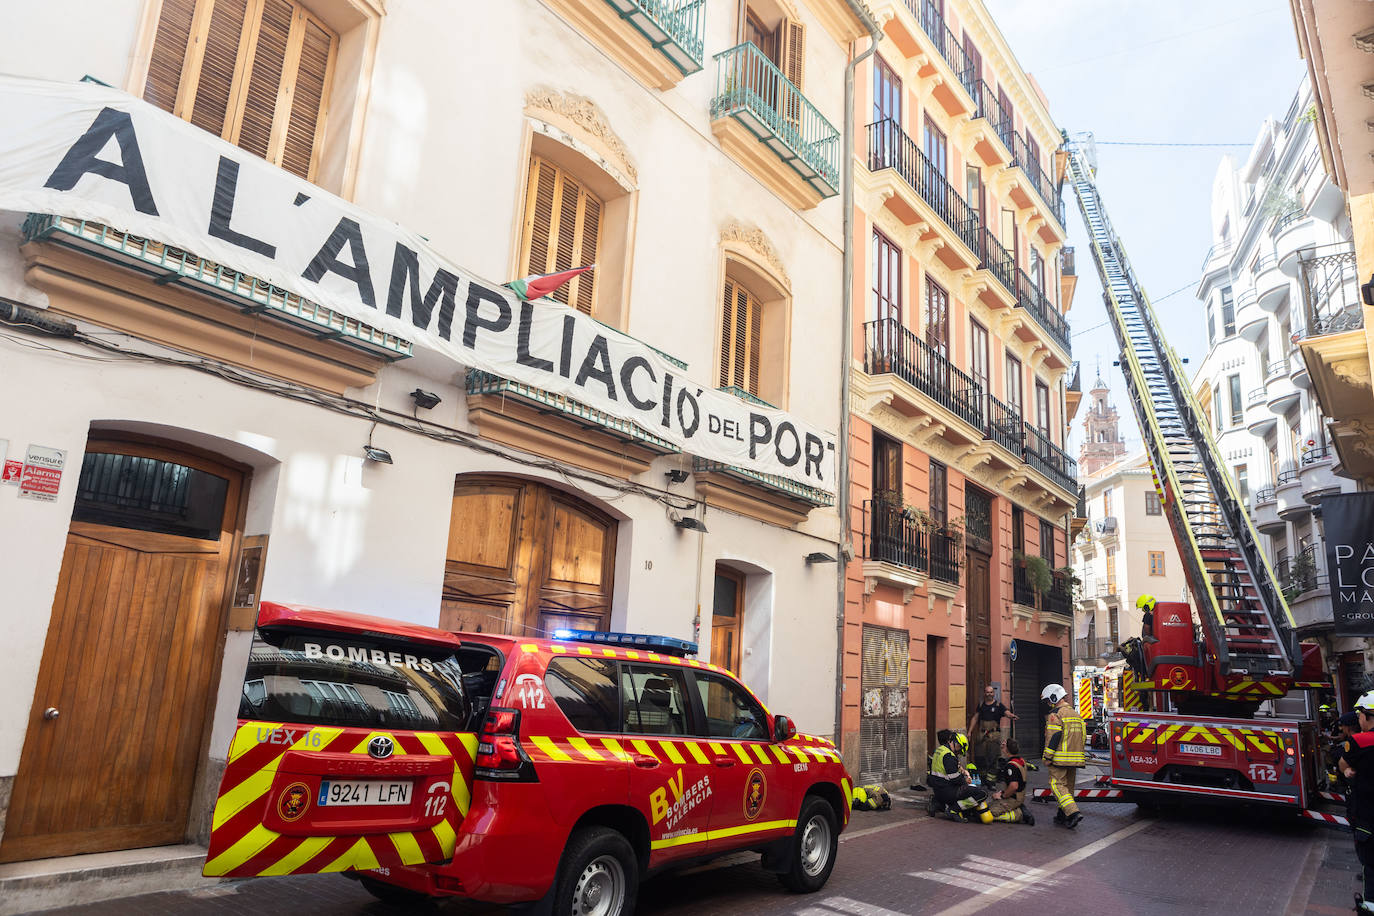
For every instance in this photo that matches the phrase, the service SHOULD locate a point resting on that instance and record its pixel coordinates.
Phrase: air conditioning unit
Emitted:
(1107, 525)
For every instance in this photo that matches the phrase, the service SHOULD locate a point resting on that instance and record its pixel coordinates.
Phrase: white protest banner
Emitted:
(95, 153)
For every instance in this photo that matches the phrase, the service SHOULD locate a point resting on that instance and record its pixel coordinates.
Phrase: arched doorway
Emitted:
(527, 559)
(121, 706)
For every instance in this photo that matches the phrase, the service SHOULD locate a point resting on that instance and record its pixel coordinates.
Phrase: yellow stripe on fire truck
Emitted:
(1265, 742)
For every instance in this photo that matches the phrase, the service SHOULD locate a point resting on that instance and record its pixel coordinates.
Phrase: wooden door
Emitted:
(727, 613)
(979, 634)
(131, 655)
(525, 558)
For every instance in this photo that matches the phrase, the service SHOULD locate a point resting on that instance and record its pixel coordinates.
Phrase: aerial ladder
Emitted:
(1219, 672)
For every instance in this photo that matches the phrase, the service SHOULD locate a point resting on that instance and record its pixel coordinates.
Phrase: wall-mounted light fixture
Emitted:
(677, 476)
(425, 400)
(687, 523)
(372, 453)
(819, 557)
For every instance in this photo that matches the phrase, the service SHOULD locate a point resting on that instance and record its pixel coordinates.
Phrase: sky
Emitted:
(1157, 71)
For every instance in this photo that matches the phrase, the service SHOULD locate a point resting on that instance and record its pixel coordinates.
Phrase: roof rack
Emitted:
(666, 645)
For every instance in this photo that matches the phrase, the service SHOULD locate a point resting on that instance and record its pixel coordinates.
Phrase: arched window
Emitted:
(741, 333)
(562, 230)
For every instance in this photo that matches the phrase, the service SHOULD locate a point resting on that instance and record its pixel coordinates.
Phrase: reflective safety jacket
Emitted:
(944, 767)
(1064, 738)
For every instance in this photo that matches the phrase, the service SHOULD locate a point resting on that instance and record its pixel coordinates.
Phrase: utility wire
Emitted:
(1152, 302)
(1150, 143)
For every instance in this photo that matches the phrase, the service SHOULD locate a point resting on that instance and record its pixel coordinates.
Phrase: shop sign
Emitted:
(96, 153)
(1348, 523)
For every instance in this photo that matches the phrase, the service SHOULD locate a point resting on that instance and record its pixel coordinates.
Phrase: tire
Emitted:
(814, 845)
(598, 875)
(390, 893)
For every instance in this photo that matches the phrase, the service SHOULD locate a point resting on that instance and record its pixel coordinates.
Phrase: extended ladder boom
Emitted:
(1246, 621)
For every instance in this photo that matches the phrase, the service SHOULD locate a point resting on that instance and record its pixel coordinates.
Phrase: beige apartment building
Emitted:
(960, 390)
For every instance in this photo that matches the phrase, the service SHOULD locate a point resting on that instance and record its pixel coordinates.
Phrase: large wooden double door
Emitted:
(527, 559)
(121, 706)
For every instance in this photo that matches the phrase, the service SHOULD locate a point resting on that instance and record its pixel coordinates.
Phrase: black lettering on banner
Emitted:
(565, 353)
(80, 159)
(627, 370)
(597, 353)
(326, 260)
(667, 401)
(477, 294)
(686, 397)
(760, 433)
(787, 427)
(522, 341)
(222, 211)
(815, 451)
(405, 273)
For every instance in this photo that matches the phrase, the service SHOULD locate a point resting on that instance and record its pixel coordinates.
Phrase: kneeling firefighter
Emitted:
(1008, 802)
(950, 782)
(1064, 737)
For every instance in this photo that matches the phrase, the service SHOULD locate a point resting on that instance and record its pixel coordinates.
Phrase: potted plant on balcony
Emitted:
(1072, 584)
(1302, 576)
(1037, 571)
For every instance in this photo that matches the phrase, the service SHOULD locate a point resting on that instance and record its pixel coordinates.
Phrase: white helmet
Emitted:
(1366, 702)
(1053, 693)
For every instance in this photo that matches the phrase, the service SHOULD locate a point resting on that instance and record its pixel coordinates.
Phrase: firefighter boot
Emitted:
(1059, 819)
(1074, 820)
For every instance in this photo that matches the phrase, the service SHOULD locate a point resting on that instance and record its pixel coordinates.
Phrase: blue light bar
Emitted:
(666, 645)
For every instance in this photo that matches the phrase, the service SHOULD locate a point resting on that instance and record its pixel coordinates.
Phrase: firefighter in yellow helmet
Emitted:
(1146, 604)
(1064, 738)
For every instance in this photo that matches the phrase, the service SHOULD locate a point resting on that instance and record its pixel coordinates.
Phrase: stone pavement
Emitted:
(1218, 861)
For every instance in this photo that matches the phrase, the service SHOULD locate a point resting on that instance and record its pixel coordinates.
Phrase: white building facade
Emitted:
(218, 453)
(1281, 256)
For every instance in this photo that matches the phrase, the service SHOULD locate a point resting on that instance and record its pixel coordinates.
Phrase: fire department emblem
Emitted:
(1178, 677)
(295, 798)
(755, 790)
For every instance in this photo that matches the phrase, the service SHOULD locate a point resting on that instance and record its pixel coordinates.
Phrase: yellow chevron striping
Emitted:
(307, 849)
(586, 750)
(616, 750)
(550, 749)
(695, 749)
(642, 747)
(447, 837)
(407, 847)
(742, 753)
(358, 856)
(671, 750)
(248, 845)
(779, 753)
(761, 754)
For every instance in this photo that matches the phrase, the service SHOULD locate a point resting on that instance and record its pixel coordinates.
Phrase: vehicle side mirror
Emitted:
(783, 729)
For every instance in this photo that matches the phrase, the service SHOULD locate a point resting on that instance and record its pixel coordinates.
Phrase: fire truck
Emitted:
(1229, 713)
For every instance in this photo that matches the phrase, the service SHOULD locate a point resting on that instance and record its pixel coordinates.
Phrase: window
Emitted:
(975, 60)
(562, 229)
(585, 690)
(1014, 384)
(937, 317)
(887, 469)
(1037, 268)
(887, 93)
(1216, 400)
(1113, 617)
(401, 704)
(937, 156)
(1156, 562)
(1018, 529)
(973, 189)
(887, 280)
(254, 72)
(939, 494)
(1032, 148)
(741, 336)
(1237, 408)
(727, 611)
(1228, 312)
(654, 701)
(1047, 541)
(730, 711)
(1242, 477)
(1042, 408)
(1106, 503)
(1111, 570)
(1152, 506)
(978, 358)
(1211, 325)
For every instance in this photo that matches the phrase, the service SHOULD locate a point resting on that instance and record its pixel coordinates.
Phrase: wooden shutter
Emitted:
(741, 338)
(794, 53)
(170, 43)
(255, 72)
(562, 231)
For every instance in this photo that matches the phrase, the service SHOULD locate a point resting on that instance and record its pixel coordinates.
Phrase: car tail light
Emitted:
(499, 754)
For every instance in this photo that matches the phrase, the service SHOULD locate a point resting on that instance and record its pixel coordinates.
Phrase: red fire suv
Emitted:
(429, 763)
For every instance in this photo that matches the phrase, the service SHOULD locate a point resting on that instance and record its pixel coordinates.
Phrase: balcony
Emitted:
(1055, 605)
(890, 148)
(1292, 233)
(1265, 512)
(1050, 460)
(1046, 315)
(1088, 649)
(1279, 391)
(1022, 591)
(1251, 320)
(657, 41)
(1068, 277)
(1022, 158)
(1316, 473)
(987, 106)
(1005, 427)
(763, 496)
(949, 50)
(944, 556)
(895, 546)
(1271, 284)
(765, 123)
(1297, 368)
(1288, 492)
(1259, 419)
(892, 348)
(1331, 291)
(557, 426)
(1306, 588)
(997, 261)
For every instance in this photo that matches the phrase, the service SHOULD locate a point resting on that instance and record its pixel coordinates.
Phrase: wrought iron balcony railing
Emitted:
(1021, 157)
(1059, 599)
(892, 535)
(1005, 426)
(1022, 592)
(988, 105)
(1089, 647)
(1285, 220)
(751, 89)
(1046, 315)
(996, 259)
(1288, 475)
(675, 27)
(1049, 459)
(1265, 495)
(890, 148)
(1330, 290)
(1315, 455)
(890, 347)
(944, 556)
(932, 22)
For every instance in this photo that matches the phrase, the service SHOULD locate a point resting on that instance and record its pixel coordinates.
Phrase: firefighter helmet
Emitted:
(1053, 694)
(960, 743)
(1366, 703)
(1145, 603)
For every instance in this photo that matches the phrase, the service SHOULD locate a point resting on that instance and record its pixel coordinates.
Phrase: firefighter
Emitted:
(949, 781)
(985, 730)
(1064, 734)
(1357, 766)
(1009, 801)
(1146, 604)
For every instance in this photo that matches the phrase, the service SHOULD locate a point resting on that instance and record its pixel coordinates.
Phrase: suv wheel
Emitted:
(598, 876)
(813, 847)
